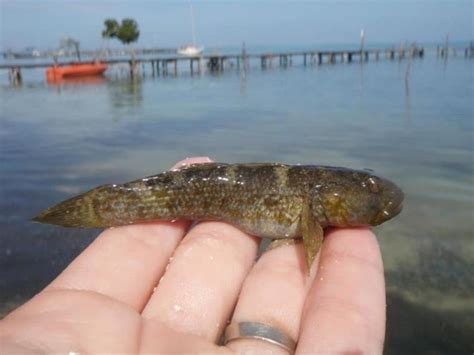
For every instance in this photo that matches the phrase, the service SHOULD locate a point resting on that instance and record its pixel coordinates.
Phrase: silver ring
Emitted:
(255, 330)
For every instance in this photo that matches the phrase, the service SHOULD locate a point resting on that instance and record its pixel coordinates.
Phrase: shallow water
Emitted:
(58, 140)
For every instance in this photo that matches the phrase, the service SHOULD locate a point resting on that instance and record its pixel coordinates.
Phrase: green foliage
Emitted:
(111, 28)
(128, 31)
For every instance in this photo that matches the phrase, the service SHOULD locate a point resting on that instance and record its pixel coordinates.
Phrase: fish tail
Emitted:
(78, 211)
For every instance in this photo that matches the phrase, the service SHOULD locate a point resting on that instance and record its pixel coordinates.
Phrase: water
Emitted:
(59, 140)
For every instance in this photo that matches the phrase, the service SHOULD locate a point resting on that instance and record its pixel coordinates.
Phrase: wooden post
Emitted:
(446, 46)
(401, 53)
(158, 68)
(222, 64)
(15, 76)
(132, 68)
(191, 62)
(320, 58)
(332, 58)
(262, 62)
(304, 59)
(349, 57)
(366, 56)
(153, 68)
(175, 67)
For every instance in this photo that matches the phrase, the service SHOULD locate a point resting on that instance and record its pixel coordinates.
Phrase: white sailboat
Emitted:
(191, 50)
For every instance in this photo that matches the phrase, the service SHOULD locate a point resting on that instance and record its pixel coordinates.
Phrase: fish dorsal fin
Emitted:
(312, 235)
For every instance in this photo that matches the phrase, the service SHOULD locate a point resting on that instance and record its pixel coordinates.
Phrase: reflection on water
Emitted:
(85, 80)
(57, 140)
(126, 93)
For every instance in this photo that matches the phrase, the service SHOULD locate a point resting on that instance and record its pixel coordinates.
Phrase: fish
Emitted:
(269, 200)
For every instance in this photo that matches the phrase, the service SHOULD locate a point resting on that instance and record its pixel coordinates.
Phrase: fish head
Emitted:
(360, 198)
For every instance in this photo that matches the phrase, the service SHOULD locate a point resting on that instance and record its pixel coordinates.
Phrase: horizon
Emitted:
(228, 24)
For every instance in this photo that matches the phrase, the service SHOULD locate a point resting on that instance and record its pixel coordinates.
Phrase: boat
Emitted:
(191, 50)
(57, 72)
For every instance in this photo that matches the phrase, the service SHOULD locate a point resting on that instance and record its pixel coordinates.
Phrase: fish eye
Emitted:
(373, 186)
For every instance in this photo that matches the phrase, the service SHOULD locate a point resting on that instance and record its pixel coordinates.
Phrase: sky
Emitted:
(42, 23)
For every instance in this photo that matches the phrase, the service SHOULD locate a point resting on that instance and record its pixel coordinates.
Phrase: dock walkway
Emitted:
(216, 62)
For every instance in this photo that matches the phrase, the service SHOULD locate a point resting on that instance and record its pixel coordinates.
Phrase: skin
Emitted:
(105, 299)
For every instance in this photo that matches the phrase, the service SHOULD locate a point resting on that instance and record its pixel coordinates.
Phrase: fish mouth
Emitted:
(390, 210)
(394, 211)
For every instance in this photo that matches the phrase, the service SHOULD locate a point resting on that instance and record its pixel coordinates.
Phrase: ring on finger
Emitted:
(260, 331)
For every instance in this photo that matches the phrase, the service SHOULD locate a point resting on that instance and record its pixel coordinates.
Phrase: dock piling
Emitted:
(15, 75)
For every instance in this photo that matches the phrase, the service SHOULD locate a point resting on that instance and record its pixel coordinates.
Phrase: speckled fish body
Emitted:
(265, 199)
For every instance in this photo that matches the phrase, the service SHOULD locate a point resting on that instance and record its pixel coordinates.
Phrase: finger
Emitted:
(201, 285)
(67, 322)
(125, 263)
(274, 294)
(345, 308)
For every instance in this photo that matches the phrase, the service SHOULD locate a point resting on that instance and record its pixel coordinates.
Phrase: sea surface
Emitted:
(411, 121)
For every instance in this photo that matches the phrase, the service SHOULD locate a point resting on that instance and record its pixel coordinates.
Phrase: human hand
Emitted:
(164, 288)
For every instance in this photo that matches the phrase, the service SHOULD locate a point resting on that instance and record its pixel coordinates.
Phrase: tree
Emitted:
(111, 28)
(127, 32)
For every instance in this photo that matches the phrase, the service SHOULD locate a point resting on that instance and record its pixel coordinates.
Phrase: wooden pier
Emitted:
(217, 63)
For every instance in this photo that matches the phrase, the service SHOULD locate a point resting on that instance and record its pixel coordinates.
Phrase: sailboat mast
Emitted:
(192, 23)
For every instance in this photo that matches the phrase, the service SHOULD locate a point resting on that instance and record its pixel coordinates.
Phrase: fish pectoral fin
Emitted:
(280, 242)
(312, 235)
